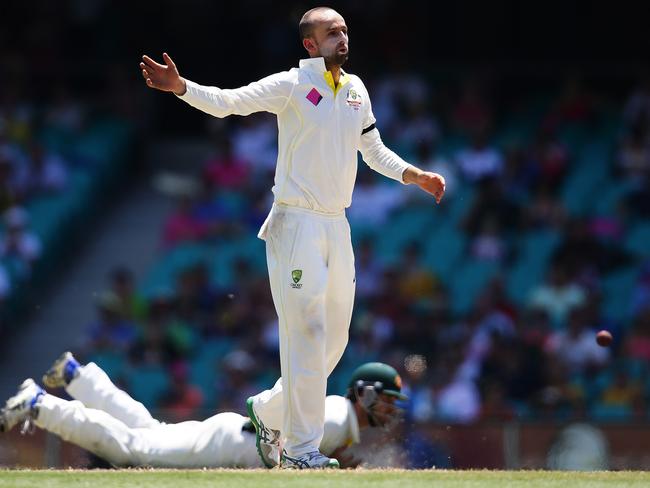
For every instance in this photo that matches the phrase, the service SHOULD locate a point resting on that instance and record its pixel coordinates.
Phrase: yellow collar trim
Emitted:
(343, 80)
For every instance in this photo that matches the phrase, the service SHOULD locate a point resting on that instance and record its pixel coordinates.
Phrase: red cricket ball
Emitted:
(604, 338)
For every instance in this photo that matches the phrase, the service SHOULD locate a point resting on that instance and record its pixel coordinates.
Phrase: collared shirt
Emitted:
(320, 129)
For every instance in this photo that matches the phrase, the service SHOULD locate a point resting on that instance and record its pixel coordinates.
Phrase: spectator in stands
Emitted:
(194, 298)
(633, 157)
(418, 126)
(457, 399)
(637, 343)
(472, 113)
(558, 295)
(581, 249)
(112, 332)
(415, 280)
(520, 173)
(121, 283)
(368, 270)
(5, 289)
(492, 203)
(211, 213)
(45, 172)
(636, 112)
(19, 247)
(624, 394)
(545, 211)
(182, 401)
(373, 200)
(237, 380)
(575, 346)
(550, 157)
(182, 225)
(574, 105)
(153, 346)
(559, 398)
(66, 112)
(254, 140)
(489, 244)
(224, 169)
(480, 160)
(494, 403)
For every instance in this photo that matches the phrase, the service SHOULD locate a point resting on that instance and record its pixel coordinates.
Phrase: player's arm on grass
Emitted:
(270, 94)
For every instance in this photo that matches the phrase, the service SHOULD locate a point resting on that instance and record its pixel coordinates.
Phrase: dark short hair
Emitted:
(306, 25)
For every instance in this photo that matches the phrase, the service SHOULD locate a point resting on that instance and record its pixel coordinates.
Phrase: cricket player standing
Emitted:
(324, 117)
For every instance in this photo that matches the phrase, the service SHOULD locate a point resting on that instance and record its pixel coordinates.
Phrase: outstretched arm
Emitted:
(270, 94)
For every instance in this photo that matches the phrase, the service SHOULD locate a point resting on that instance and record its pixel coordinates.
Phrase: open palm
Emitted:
(163, 77)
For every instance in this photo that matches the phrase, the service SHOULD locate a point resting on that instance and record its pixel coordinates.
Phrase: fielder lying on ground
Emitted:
(109, 423)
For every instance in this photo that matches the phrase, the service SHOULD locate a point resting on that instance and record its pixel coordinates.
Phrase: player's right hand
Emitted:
(163, 77)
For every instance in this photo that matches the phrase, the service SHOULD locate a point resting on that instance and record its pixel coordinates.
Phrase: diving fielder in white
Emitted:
(109, 423)
(324, 117)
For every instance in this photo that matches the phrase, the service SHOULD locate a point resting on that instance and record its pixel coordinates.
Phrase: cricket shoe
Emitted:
(62, 372)
(267, 440)
(21, 407)
(311, 460)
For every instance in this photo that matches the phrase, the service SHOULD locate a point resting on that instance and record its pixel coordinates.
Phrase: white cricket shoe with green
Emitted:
(311, 460)
(267, 440)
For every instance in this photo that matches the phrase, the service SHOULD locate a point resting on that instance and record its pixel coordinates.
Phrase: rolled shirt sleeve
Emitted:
(270, 94)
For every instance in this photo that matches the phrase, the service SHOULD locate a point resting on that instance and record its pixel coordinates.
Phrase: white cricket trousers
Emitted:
(112, 425)
(311, 272)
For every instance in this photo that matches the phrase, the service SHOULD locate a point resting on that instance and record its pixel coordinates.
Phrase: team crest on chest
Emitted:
(353, 99)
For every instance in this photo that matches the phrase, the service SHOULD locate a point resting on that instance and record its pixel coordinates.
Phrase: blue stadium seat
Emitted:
(638, 239)
(617, 288)
(148, 384)
(468, 281)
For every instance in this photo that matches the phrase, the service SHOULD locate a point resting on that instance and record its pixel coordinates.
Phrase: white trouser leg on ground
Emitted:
(215, 442)
(311, 344)
(94, 389)
(94, 430)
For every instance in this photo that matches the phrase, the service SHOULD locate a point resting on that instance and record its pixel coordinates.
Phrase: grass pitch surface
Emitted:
(261, 478)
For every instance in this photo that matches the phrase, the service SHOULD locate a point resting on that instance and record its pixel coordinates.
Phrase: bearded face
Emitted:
(330, 38)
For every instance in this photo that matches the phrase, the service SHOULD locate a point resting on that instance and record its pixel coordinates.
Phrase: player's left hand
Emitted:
(432, 183)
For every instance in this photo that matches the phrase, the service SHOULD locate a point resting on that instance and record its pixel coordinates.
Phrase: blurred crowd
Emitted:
(29, 170)
(508, 353)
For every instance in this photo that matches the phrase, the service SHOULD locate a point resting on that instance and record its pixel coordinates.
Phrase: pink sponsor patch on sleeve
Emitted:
(314, 97)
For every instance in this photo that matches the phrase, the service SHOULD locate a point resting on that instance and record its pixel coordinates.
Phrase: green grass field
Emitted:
(276, 478)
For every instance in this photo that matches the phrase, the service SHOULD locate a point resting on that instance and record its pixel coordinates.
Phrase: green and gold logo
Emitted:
(354, 99)
(296, 276)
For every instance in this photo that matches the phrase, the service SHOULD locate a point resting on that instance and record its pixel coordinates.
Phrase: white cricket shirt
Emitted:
(341, 425)
(320, 130)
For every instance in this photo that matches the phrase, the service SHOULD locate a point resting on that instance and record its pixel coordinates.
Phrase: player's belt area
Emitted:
(281, 207)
